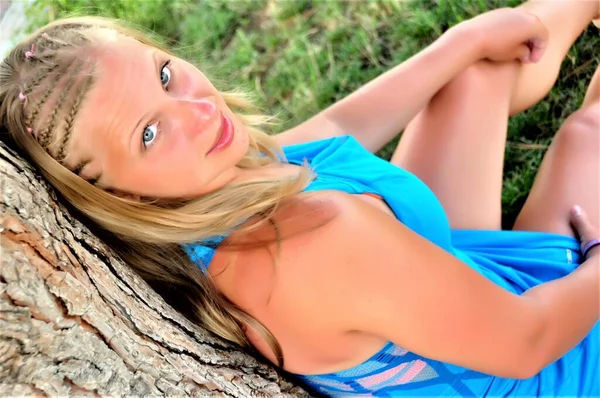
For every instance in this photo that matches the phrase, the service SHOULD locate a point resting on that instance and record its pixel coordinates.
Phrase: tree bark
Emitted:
(75, 320)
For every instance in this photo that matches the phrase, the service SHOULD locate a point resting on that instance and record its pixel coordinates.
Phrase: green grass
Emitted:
(299, 56)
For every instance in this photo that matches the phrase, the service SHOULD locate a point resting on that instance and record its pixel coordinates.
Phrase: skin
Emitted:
(472, 111)
(177, 162)
(329, 327)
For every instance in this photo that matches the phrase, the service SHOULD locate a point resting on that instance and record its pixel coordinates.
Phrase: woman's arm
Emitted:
(370, 274)
(379, 110)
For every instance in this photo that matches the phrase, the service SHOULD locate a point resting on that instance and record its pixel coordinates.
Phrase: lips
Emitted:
(224, 135)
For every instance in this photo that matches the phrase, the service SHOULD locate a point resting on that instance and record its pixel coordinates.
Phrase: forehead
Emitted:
(119, 49)
(120, 96)
(120, 64)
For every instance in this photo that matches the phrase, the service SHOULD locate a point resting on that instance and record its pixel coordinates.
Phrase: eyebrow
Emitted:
(94, 180)
(139, 122)
(79, 168)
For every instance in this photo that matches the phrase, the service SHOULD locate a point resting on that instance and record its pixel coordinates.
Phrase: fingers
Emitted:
(523, 53)
(582, 224)
(539, 39)
(537, 47)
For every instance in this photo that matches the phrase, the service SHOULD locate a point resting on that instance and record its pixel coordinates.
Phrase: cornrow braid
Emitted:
(36, 109)
(37, 54)
(53, 41)
(61, 99)
(41, 54)
(71, 117)
(73, 27)
(44, 138)
(42, 100)
(38, 79)
(47, 45)
(46, 49)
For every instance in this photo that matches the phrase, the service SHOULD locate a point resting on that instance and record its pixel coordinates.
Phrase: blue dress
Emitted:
(514, 260)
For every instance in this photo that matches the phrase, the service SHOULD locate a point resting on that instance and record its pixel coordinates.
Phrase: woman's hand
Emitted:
(587, 232)
(375, 113)
(507, 34)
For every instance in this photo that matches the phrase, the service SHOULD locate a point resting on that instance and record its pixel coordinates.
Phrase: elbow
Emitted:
(533, 354)
(519, 370)
(523, 371)
(532, 363)
(525, 366)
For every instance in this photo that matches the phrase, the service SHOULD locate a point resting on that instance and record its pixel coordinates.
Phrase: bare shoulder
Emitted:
(285, 284)
(318, 269)
(346, 277)
(307, 242)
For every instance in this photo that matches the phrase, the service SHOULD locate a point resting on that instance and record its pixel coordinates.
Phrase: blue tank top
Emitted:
(514, 260)
(342, 164)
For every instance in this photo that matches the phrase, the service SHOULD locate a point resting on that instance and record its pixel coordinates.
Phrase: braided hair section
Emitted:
(53, 75)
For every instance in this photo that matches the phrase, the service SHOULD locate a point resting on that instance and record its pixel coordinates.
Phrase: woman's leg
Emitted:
(456, 145)
(570, 171)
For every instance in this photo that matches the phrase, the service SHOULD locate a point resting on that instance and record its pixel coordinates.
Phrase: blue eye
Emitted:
(149, 134)
(165, 74)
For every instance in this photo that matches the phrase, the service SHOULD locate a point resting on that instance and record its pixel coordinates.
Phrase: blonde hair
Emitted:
(147, 234)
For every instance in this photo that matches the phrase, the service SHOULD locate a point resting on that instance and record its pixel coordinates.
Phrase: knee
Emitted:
(581, 129)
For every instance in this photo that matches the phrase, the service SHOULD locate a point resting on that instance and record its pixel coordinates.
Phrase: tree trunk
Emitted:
(75, 320)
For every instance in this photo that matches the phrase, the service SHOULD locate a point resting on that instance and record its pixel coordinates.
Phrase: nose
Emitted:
(192, 116)
(204, 110)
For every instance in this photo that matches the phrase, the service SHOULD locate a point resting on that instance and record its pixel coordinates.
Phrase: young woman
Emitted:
(362, 276)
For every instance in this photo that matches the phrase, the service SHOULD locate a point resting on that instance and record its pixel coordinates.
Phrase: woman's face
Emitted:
(153, 125)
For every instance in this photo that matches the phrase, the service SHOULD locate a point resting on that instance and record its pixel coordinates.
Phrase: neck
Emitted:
(275, 171)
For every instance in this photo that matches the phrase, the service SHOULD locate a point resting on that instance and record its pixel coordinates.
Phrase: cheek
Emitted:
(168, 173)
(175, 154)
(181, 160)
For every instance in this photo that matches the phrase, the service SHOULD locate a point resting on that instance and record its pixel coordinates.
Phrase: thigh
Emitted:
(456, 145)
(569, 175)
